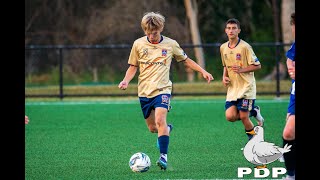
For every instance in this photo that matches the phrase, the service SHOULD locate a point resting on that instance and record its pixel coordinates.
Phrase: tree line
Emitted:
(87, 22)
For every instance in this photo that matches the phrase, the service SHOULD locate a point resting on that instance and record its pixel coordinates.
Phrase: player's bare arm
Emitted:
(193, 65)
(131, 71)
(250, 68)
(291, 68)
(225, 77)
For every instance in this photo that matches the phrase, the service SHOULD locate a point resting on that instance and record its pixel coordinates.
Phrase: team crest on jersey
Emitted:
(164, 52)
(238, 56)
(145, 51)
(165, 99)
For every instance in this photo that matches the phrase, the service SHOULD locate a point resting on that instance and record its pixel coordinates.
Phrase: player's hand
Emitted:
(26, 119)
(207, 76)
(292, 72)
(226, 81)
(236, 68)
(123, 85)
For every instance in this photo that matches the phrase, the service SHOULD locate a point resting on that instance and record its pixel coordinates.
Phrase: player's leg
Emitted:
(256, 113)
(170, 127)
(244, 107)
(163, 136)
(288, 137)
(148, 113)
(231, 111)
(247, 123)
(162, 105)
(151, 123)
(289, 129)
(147, 107)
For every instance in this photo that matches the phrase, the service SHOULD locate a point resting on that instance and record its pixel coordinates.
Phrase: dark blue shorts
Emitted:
(291, 106)
(148, 104)
(241, 104)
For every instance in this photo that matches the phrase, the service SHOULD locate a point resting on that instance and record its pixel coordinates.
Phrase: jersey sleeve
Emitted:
(178, 53)
(134, 55)
(251, 56)
(291, 52)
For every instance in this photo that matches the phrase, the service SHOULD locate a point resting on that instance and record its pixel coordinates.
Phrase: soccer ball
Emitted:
(139, 162)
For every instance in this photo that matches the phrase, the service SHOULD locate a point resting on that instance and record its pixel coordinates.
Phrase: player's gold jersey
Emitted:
(154, 62)
(242, 85)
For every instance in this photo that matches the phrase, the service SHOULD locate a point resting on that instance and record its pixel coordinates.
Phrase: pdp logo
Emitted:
(261, 173)
(261, 153)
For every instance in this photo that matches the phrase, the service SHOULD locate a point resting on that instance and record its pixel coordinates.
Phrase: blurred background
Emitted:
(81, 47)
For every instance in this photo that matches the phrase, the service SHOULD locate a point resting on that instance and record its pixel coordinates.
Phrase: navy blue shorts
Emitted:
(241, 104)
(148, 104)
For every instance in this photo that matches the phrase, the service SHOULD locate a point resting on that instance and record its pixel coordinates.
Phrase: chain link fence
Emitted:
(96, 70)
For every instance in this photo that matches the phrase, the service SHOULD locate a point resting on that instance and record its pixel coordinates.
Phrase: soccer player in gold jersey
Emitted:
(239, 62)
(152, 54)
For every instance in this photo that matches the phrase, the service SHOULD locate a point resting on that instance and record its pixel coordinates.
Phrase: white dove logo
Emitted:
(261, 153)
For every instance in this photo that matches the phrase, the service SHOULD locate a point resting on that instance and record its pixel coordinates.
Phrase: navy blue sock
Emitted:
(289, 157)
(253, 113)
(164, 143)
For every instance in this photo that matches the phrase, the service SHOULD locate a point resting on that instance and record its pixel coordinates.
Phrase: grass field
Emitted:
(95, 139)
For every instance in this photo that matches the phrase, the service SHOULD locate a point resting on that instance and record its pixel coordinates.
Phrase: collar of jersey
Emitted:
(235, 45)
(156, 42)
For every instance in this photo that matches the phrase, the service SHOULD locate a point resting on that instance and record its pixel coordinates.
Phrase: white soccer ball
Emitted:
(139, 162)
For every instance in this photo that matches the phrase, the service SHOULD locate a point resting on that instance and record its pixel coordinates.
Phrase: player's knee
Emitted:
(231, 118)
(152, 128)
(288, 134)
(160, 121)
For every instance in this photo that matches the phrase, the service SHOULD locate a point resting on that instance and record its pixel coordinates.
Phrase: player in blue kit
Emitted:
(153, 55)
(288, 135)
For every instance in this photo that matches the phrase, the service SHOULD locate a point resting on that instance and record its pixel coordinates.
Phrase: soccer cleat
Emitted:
(171, 127)
(258, 117)
(162, 163)
(289, 178)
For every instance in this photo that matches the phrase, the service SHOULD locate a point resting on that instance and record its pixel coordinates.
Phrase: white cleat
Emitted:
(258, 117)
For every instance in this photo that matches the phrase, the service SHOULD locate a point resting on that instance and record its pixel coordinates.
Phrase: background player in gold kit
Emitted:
(153, 55)
(240, 62)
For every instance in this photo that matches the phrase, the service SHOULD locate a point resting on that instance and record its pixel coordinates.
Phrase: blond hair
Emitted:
(152, 21)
